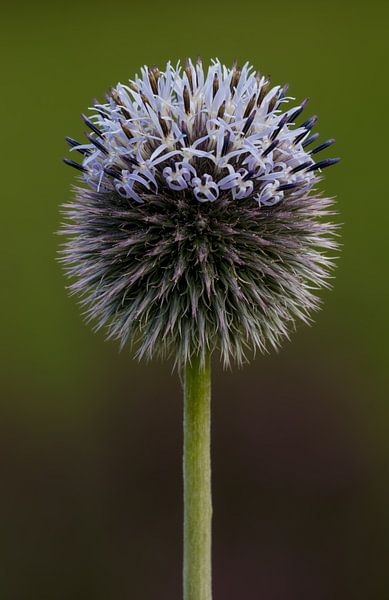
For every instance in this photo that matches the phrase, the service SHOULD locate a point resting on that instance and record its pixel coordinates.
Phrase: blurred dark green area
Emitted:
(90, 440)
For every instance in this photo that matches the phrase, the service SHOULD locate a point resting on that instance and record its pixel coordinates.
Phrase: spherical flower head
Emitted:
(197, 226)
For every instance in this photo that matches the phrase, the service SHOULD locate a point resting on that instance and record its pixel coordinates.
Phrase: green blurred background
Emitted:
(90, 440)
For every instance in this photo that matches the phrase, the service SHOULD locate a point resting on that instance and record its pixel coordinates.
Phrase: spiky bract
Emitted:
(199, 227)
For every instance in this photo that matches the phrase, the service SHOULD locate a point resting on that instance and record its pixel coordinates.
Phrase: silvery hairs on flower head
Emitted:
(197, 226)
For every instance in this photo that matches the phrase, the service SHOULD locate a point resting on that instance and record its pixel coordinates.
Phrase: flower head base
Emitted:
(199, 228)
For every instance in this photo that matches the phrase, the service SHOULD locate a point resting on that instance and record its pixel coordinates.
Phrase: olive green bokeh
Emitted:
(64, 386)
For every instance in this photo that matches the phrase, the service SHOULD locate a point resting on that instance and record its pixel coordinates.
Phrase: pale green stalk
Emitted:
(197, 577)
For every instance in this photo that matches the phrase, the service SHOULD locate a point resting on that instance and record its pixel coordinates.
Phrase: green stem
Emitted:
(197, 481)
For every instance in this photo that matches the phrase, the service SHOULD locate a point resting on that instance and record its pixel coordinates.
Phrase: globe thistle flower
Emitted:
(197, 225)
